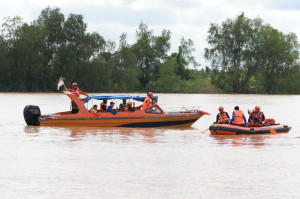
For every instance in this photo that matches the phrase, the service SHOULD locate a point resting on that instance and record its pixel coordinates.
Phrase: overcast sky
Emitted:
(187, 18)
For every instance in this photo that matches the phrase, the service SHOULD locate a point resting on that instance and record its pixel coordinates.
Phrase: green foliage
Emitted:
(248, 56)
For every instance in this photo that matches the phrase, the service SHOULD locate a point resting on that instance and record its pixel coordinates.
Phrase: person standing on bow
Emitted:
(238, 117)
(75, 88)
(223, 116)
(76, 91)
(148, 101)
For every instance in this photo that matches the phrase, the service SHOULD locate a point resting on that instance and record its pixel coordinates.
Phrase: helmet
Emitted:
(221, 108)
(129, 102)
(150, 94)
(74, 84)
(258, 107)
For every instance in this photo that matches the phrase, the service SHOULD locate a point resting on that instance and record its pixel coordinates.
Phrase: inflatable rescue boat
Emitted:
(230, 129)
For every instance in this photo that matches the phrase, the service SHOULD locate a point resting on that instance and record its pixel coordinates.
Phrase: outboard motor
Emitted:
(31, 115)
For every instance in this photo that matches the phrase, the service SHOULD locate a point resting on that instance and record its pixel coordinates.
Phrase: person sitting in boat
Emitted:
(94, 110)
(238, 117)
(148, 101)
(251, 116)
(110, 108)
(223, 116)
(76, 91)
(103, 106)
(129, 107)
(259, 116)
(122, 105)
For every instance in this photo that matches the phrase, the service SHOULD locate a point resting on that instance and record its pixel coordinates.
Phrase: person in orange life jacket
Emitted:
(129, 107)
(94, 110)
(103, 106)
(259, 116)
(110, 108)
(75, 90)
(75, 108)
(148, 101)
(238, 117)
(222, 117)
(251, 116)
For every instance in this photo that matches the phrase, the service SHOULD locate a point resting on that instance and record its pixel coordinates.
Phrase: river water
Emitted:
(44, 162)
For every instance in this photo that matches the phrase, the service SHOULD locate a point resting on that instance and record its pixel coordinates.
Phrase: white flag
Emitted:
(60, 82)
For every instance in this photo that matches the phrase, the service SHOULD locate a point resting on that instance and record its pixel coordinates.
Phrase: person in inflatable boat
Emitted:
(259, 116)
(223, 116)
(238, 117)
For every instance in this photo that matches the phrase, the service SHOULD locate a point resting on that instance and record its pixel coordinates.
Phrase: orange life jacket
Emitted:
(93, 111)
(74, 105)
(73, 91)
(259, 115)
(223, 117)
(101, 108)
(147, 102)
(238, 119)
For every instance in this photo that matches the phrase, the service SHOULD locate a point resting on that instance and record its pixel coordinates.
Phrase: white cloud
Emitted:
(189, 18)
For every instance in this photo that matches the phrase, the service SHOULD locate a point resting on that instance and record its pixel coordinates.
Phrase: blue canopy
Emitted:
(121, 97)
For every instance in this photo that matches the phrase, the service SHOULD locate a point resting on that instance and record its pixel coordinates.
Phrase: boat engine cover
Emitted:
(270, 121)
(31, 115)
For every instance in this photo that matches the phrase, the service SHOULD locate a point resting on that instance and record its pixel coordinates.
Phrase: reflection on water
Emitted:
(240, 140)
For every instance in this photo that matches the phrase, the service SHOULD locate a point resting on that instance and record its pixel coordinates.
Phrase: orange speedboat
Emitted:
(152, 116)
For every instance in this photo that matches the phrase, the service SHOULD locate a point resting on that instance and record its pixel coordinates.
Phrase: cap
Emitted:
(253, 110)
(221, 108)
(258, 107)
(150, 94)
(74, 84)
(112, 103)
(129, 102)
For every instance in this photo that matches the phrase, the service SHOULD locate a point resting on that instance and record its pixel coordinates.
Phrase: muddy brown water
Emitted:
(47, 162)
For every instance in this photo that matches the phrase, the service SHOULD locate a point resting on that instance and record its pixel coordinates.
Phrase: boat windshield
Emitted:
(154, 109)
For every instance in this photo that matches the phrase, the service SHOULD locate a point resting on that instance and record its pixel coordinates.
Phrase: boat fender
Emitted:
(31, 115)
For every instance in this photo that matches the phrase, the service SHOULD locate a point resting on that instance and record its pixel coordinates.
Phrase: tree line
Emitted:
(246, 56)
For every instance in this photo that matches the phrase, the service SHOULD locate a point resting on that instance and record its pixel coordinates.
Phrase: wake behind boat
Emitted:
(152, 116)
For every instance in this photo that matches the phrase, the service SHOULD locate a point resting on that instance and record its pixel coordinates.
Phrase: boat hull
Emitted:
(227, 129)
(174, 120)
(152, 116)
